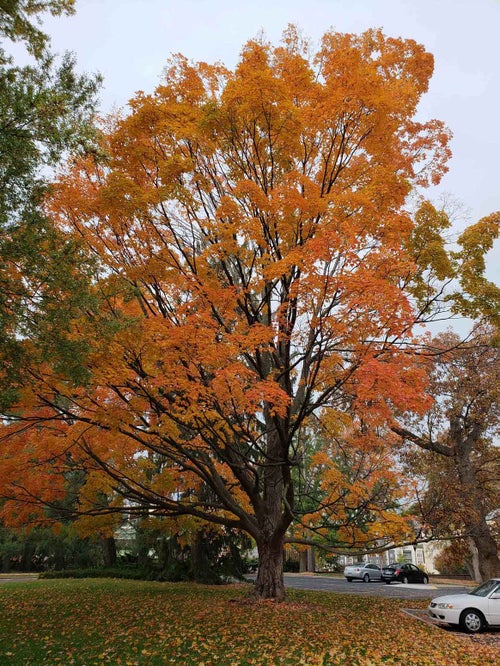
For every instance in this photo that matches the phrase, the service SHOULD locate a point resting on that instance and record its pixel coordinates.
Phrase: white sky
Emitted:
(129, 41)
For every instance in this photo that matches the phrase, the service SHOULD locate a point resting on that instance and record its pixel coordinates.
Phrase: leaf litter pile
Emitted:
(129, 623)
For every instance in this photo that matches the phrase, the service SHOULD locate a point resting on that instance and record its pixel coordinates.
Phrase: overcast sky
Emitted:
(129, 41)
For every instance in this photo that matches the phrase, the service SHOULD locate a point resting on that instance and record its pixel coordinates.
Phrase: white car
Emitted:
(473, 611)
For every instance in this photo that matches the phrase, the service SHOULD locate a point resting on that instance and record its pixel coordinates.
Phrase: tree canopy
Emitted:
(259, 283)
(46, 111)
(20, 21)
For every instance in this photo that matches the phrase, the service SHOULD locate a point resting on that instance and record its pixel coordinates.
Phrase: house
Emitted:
(423, 555)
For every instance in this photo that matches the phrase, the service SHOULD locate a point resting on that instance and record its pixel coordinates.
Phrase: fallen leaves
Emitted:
(133, 623)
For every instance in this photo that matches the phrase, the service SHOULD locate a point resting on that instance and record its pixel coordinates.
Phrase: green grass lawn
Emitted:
(90, 622)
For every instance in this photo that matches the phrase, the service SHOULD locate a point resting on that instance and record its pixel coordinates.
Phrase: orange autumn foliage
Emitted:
(254, 252)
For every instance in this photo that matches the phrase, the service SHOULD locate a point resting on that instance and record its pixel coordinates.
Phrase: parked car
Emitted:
(404, 573)
(364, 571)
(472, 611)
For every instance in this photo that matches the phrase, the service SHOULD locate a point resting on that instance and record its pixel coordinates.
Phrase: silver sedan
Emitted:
(364, 571)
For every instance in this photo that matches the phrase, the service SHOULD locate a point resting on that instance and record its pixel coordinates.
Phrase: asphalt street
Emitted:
(378, 589)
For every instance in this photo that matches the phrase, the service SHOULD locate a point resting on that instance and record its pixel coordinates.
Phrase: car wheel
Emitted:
(472, 621)
(387, 582)
(426, 580)
(349, 580)
(405, 580)
(366, 578)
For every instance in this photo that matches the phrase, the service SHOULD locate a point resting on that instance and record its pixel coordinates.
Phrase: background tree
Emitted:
(449, 277)
(42, 549)
(458, 435)
(261, 275)
(20, 20)
(46, 110)
(456, 559)
(350, 494)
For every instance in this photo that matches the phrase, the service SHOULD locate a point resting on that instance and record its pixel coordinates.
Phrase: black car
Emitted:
(404, 573)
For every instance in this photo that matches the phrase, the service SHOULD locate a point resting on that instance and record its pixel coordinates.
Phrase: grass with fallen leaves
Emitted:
(130, 623)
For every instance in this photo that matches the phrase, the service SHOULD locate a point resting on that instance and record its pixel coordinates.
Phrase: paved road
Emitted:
(17, 578)
(394, 590)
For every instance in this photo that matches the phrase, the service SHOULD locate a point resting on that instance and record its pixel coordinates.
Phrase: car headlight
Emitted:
(445, 605)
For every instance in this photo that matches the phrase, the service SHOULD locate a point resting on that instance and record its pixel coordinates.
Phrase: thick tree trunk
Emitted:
(270, 583)
(273, 513)
(488, 562)
(474, 567)
(474, 516)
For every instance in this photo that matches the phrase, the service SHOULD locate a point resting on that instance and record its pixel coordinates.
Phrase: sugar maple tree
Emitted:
(256, 261)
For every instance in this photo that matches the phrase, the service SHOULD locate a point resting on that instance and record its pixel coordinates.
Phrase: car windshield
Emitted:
(485, 589)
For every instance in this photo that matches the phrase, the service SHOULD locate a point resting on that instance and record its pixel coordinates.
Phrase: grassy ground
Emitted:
(89, 622)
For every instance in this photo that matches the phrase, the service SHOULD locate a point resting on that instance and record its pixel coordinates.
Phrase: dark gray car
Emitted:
(404, 573)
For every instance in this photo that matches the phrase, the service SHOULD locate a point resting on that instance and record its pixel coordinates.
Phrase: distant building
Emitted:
(423, 555)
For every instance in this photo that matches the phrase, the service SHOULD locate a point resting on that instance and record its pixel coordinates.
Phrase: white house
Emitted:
(421, 554)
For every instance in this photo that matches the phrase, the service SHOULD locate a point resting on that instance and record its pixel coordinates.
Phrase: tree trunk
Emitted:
(198, 560)
(303, 561)
(270, 583)
(311, 560)
(26, 563)
(274, 513)
(59, 559)
(486, 548)
(108, 547)
(474, 567)
(307, 560)
(474, 516)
